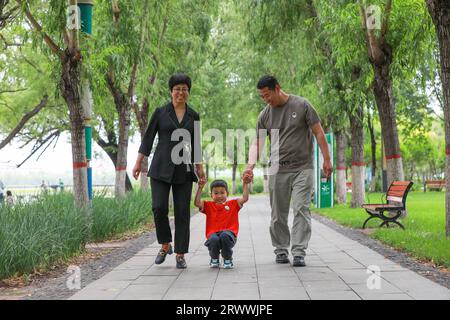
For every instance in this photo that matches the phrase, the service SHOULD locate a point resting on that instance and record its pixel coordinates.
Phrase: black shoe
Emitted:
(299, 261)
(282, 258)
(181, 263)
(161, 257)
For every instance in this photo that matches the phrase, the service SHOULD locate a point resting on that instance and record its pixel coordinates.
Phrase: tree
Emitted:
(440, 13)
(70, 63)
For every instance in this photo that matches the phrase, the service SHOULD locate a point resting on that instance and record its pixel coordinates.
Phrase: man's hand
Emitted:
(247, 176)
(327, 168)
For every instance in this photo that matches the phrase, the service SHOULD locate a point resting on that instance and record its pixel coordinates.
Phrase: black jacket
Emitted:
(164, 122)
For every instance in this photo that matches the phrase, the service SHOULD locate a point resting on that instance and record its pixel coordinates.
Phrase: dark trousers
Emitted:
(160, 205)
(221, 242)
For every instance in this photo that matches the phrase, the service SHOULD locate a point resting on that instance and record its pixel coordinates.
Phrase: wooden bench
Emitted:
(394, 206)
(434, 185)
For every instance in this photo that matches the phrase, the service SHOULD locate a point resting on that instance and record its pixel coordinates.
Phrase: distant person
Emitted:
(9, 198)
(61, 185)
(2, 190)
(44, 187)
(222, 221)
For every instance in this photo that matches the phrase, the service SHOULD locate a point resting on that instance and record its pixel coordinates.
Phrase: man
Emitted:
(292, 120)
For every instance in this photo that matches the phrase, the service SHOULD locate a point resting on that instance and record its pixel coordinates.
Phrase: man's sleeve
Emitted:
(311, 114)
(261, 125)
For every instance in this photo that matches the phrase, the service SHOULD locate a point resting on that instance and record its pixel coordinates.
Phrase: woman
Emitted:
(170, 121)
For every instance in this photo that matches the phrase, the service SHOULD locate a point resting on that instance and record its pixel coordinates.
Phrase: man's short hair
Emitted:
(179, 78)
(267, 81)
(219, 184)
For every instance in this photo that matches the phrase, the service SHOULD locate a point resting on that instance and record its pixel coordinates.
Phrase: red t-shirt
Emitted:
(221, 216)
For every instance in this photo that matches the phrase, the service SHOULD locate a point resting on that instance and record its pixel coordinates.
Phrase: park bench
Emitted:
(395, 204)
(434, 185)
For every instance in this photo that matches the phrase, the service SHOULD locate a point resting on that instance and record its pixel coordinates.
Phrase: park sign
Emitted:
(86, 10)
(323, 186)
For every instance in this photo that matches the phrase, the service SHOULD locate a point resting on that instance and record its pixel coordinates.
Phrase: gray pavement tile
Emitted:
(143, 292)
(275, 282)
(326, 286)
(189, 293)
(334, 295)
(236, 291)
(162, 270)
(155, 280)
(283, 293)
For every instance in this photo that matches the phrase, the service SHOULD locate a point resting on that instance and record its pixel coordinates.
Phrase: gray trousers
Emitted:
(283, 187)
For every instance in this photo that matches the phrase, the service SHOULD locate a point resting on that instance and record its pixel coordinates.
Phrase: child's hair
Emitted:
(8, 193)
(218, 184)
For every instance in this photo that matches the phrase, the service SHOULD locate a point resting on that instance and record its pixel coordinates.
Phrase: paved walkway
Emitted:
(336, 269)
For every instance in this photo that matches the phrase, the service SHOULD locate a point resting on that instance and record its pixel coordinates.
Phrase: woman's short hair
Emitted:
(267, 81)
(179, 78)
(219, 184)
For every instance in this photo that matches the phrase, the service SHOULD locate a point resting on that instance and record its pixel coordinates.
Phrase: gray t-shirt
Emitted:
(294, 121)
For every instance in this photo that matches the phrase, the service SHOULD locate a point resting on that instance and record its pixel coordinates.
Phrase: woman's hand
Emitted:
(136, 170)
(201, 183)
(201, 174)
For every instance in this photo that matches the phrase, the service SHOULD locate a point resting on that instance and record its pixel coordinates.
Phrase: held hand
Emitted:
(327, 168)
(136, 170)
(201, 176)
(201, 183)
(247, 176)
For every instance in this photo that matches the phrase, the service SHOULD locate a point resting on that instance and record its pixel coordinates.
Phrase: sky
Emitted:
(56, 163)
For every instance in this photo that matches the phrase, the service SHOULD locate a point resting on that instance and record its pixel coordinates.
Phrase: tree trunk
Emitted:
(373, 145)
(123, 111)
(358, 165)
(122, 151)
(380, 55)
(386, 109)
(110, 148)
(341, 186)
(440, 12)
(70, 89)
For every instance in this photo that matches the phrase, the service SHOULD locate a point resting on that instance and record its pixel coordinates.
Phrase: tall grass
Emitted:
(35, 235)
(111, 216)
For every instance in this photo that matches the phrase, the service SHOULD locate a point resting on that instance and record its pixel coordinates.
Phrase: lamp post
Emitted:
(86, 12)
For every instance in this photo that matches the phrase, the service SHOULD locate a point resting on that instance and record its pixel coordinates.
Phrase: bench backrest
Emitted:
(435, 182)
(398, 190)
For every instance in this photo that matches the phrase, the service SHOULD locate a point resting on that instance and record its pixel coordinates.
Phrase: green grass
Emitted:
(37, 234)
(424, 237)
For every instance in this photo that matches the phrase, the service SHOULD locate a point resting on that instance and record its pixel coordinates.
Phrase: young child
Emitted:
(222, 221)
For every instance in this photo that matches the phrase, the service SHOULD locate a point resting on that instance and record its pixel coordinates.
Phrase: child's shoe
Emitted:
(214, 263)
(228, 264)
